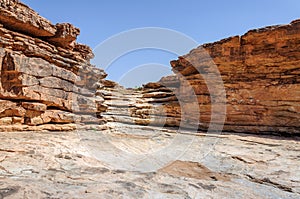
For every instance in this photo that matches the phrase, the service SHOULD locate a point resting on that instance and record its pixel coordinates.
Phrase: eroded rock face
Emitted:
(19, 17)
(261, 76)
(46, 77)
(153, 105)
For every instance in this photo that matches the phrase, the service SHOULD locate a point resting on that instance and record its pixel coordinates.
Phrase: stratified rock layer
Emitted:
(46, 79)
(261, 76)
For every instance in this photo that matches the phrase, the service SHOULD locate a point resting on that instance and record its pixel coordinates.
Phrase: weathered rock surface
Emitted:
(261, 77)
(62, 165)
(258, 72)
(46, 77)
(141, 106)
(48, 83)
(19, 17)
(42, 64)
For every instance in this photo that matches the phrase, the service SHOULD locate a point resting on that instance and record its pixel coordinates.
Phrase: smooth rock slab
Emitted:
(62, 165)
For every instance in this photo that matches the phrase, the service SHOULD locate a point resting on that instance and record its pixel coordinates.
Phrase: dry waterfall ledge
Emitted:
(48, 83)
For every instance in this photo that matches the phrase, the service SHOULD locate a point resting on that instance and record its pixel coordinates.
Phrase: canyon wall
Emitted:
(48, 83)
(261, 76)
(259, 73)
(46, 79)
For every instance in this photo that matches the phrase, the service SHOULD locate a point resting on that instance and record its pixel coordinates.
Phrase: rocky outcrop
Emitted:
(46, 79)
(260, 72)
(153, 105)
(163, 95)
(20, 18)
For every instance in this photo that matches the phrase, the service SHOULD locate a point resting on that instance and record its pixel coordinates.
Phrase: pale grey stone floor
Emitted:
(135, 163)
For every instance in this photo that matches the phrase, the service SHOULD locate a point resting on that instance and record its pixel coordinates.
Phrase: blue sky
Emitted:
(204, 21)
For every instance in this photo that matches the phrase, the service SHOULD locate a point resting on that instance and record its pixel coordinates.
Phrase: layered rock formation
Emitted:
(47, 81)
(261, 76)
(46, 77)
(154, 105)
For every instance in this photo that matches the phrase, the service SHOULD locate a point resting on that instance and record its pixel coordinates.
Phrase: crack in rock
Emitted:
(267, 181)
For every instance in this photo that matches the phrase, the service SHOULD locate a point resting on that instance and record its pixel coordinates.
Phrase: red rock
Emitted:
(34, 106)
(152, 85)
(44, 70)
(65, 36)
(260, 71)
(16, 16)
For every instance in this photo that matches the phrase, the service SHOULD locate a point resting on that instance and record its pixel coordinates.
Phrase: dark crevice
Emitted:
(10, 80)
(267, 181)
(56, 123)
(5, 192)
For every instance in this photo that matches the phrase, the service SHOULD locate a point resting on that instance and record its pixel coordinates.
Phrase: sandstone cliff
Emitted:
(261, 76)
(46, 77)
(47, 81)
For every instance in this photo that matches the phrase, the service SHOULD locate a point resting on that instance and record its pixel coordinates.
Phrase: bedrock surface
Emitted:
(63, 165)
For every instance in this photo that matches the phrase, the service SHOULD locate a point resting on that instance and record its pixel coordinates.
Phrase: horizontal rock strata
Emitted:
(261, 76)
(46, 77)
(47, 81)
(153, 105)
(259, 73)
